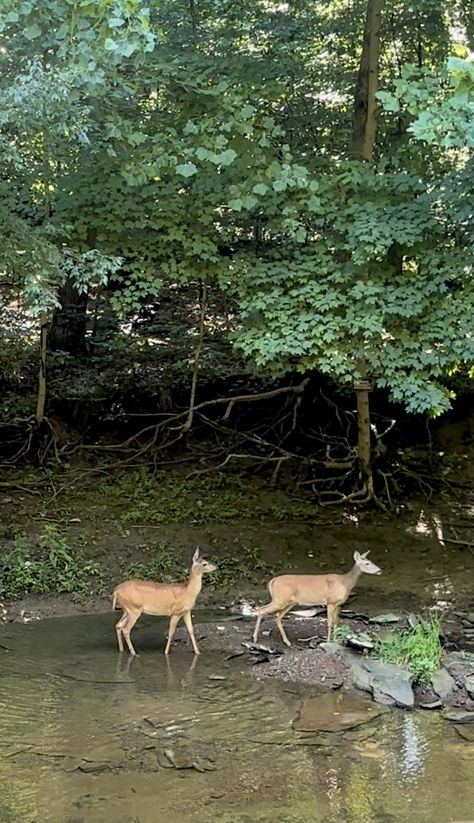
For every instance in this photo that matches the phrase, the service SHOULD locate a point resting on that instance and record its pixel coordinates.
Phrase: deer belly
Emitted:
(163, 610)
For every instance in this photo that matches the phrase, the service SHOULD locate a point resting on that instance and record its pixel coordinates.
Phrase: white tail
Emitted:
(331, 590)
(137, 597)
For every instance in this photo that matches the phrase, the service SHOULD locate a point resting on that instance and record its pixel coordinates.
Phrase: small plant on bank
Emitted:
(418, 648)
(341, 633)
(50, 566)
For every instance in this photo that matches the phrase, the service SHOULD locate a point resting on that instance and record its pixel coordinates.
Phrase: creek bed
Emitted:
(90, 736)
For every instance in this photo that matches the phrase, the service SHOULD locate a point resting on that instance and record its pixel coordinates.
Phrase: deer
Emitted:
(331, 590)
(175, 600)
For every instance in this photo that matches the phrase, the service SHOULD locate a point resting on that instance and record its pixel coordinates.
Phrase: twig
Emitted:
(468, 543)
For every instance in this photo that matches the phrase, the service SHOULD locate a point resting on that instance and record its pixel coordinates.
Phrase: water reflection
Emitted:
(84, 734)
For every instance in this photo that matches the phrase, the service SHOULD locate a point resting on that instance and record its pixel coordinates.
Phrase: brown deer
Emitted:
(137, 597)
(331, 590)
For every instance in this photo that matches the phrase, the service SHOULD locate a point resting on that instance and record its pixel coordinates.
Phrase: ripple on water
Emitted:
(67, 698)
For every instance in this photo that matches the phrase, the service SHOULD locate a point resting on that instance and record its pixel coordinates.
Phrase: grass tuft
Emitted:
(418, 649)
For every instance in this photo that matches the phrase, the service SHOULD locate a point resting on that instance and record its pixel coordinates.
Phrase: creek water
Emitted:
(91, 736)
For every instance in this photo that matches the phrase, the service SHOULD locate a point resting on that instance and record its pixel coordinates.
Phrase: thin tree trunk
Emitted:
(41, 397)
(363, 138)
(364, 127)
(197, 356)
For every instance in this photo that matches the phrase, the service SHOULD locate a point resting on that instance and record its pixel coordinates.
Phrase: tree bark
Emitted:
(364, 132)
(197, 355)
(41, 396)
(364, 126)
(68, 327)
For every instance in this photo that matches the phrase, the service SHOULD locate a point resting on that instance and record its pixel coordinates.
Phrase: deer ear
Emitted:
(365, 553)
(356, 556)
(197, 554)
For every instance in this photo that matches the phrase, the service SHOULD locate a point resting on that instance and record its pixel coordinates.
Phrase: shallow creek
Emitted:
(88, 736)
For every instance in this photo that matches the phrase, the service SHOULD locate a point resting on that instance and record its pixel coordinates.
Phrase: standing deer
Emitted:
(137, 597)
(331, 590)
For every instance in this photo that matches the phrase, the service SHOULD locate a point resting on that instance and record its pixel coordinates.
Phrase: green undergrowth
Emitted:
(49, 565)
(163, 497)
(417, 648)
(46, 565)
(167, 566)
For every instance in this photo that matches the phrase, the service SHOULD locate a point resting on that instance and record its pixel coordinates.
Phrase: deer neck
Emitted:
(351, 577)
(194, 584)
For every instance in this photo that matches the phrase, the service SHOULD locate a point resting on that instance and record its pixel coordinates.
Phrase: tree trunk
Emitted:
(197, 355)
(41, 397)
(68, 327)
(364, 126)
(363, 138)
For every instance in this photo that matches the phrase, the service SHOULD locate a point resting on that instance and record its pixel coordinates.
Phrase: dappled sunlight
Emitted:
(429, 525)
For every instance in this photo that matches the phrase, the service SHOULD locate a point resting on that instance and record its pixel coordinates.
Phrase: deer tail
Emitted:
(114, 600)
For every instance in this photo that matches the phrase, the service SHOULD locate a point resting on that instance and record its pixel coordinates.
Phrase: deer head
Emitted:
(364, 565)
(201, 565)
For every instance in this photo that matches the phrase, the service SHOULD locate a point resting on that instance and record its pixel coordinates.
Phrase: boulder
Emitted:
(458, 716)
(469, 685)
(388, 684)
(442, 683)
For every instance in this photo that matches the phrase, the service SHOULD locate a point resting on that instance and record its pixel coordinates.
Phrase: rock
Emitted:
(466, 732)
(258, 648)
(431, 704)
(234, 654)
(458, 716)
(330, 647)
(362, 642)
(388, 617)
(334, 713)
(460, 665)
(469, 685)
(185, 759)
(442, 683)
(107, 752)
(389, 684)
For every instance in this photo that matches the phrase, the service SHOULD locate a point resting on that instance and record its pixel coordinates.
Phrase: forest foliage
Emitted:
(181, 168)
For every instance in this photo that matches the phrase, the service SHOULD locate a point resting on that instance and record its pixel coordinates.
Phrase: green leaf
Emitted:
(260, 188)
(33, 31)
(186, 169)
(389, 101)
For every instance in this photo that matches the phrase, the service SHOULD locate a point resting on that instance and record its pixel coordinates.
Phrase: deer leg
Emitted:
(257, 627)
(189, 625)
(279, 617)
(132, 618)
(118, 629)
(335, 619)
(331, 615)
(174, 620)
(270, 608)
